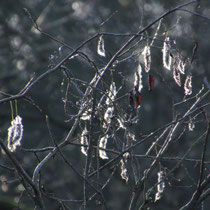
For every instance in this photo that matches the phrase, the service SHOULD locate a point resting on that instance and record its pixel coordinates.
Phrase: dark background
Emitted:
(25, 53)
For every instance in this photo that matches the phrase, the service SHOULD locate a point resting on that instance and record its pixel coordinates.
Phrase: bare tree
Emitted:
(105, 112)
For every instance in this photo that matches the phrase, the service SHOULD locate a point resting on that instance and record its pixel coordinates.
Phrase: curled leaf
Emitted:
(188, 85)
(147, 58)
(111, 94)
(100, 47)
(194, 51)
(102, 144)
(138, 78)
(108, 116)
(15, 133)
(191, 125)
(84, 141)
(160, 186)
(124, 172)
(177, 77)
(167, 56)
(151, 82)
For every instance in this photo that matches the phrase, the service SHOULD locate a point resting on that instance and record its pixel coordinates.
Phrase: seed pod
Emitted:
(151, 82)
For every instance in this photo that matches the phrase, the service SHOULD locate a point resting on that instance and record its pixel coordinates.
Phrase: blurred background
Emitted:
(26, 53)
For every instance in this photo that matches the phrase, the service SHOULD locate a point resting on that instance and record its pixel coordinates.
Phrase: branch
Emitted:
(195, 13)
(199, 195)
(37, 199)
(161, 152)
(203, 156)
(90, 148)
